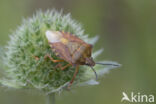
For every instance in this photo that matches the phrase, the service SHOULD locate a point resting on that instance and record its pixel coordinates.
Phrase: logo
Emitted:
(138, 97)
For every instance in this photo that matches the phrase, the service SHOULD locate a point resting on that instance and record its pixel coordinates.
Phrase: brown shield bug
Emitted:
(71, 49)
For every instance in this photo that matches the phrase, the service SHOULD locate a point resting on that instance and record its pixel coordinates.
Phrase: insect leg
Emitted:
(53, 60)
(76, 71)
(36, 58)
(62, 67)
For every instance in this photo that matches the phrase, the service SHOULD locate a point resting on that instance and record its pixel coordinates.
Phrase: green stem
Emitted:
(51, 98)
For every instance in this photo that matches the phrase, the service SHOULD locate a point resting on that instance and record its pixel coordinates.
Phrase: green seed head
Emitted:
(23, 70)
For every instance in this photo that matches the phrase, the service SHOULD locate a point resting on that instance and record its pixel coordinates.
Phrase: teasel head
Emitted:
(24, 55)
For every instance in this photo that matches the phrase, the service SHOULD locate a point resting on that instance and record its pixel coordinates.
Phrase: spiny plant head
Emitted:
(22, 70)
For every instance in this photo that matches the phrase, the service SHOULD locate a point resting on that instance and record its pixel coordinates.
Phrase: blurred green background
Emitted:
(127, 30)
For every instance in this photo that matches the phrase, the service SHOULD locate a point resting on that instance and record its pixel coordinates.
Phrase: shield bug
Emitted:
(71, 49)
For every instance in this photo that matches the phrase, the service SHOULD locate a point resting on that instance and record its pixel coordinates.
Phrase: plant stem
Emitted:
(51, 98)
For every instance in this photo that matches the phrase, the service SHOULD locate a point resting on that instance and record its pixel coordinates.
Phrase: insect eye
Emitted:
(91, 45)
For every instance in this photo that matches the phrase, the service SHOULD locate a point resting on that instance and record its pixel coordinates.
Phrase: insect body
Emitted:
(71, 49)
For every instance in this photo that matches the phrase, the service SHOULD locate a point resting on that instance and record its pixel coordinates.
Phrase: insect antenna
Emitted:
(107, 64)
(94, 72)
